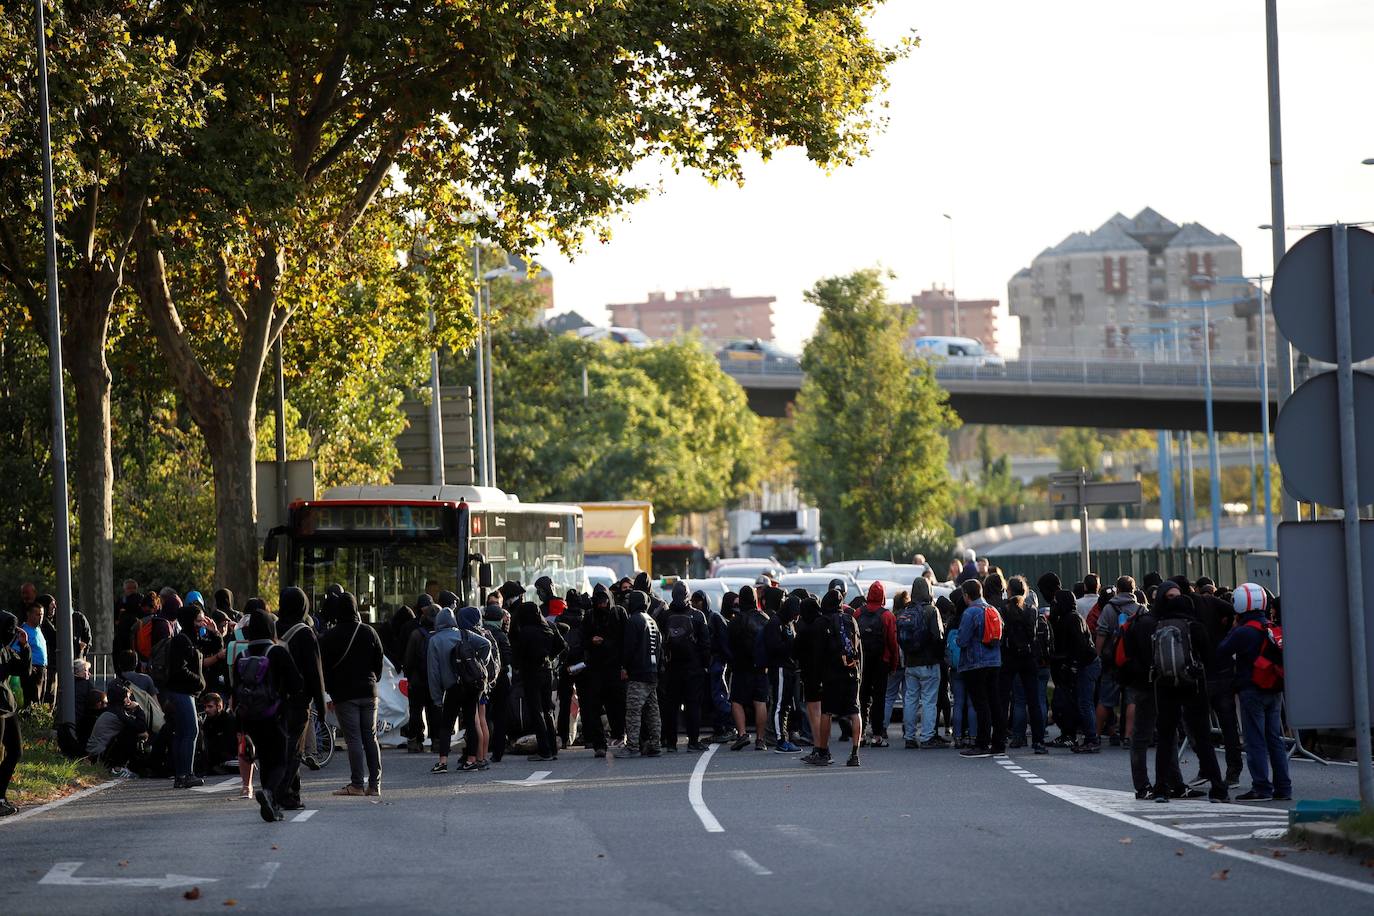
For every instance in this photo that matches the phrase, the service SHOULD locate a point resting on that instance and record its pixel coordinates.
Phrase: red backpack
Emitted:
(1267, 672)
(992, 626)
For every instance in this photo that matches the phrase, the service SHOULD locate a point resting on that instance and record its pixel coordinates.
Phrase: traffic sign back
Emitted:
(1304, 295)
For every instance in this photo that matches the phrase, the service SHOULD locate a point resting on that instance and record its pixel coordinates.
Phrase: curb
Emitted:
(59, 802)
(1330, 838)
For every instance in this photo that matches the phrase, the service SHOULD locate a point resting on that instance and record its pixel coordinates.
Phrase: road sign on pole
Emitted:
(1324, 302)
(1073, 488)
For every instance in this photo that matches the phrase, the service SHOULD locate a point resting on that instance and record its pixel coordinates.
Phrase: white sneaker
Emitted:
(123, 773)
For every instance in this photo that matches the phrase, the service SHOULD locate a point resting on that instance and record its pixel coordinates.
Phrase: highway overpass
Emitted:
(1084, 392)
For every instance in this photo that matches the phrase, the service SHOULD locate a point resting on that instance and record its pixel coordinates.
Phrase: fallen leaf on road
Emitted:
(1215, 846)
(1126, 841)
(1368, 863)
(231, 902)
(123, 863)
(1221, 875)
(1178, 852)
(275, 846)
(192, 894)
(601, 855)
(1279, 854)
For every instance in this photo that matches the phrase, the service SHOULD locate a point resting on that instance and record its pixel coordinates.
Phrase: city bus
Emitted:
(388, 544)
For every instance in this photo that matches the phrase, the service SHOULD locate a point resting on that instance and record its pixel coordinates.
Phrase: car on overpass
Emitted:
(763, 355)
(957, 351)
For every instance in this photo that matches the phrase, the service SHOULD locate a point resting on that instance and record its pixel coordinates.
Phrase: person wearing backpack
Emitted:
(840, 658)
(1256, 645)
(535, 646)
(1117, 610)
(1179, 645)
(878, 634)
(445, 687)
(424, 708)
(779, 646)
(686, 644)
(351, 653)
(1218, 616)
(921, 637)
(496, 625)
(1019, 662)
(178, 673)
(601, 690)
(569, 625)
(641, 658)
(299, 639)
(1075, 673)
(980, 662)
(265, 682)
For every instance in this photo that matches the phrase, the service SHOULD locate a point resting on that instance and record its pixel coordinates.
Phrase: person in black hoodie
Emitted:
(641, 654)
(265, 724)
(1070, 638)
(185, 681)
(600, 686)
(686, 646)
(496, 623)
(779, 648)
(722, 731)
(569, 624)
(1217, 616)
(839, 656)
(748, 678)
(535, 646)
(351, 653)
(805, 648)
(299, 639)
(15, 661)
(1018, 660)
(424, 711)
(1184, 701)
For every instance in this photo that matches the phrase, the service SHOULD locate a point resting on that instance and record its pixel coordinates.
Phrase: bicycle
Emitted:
(323, 736)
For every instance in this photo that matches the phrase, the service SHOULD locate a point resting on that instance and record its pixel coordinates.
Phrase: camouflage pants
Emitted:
(641, 715)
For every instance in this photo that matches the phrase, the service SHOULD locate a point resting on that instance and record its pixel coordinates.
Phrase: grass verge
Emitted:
(1358, 826)
(44, 774)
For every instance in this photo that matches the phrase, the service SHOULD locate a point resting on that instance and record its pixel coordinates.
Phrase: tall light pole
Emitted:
(1283, 351)
(953, 277)
(490, 433)
(1213, 462)
(1264, 405)
(62, 538)
(479, 350)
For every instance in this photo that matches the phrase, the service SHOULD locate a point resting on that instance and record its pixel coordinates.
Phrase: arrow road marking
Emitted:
(537, 778)
(63, 874)
(219, 786)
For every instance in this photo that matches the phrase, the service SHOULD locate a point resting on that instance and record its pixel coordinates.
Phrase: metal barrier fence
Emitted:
(1225, 566)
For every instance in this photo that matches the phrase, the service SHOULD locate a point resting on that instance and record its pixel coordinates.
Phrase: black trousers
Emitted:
(538, 686)
(297, 720)
(873, 695)
(944, 700)
(1221, 696)
(269, 744)
(1189, 705)
(1146, 718)
(1064, 704)
(591, 694)
(11, 749)
(680, 692)
(981, 686)
(35, 685)
(423, 712)
(1026, 671)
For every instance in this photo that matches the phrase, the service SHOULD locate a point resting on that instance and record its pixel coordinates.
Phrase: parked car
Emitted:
(817, 581)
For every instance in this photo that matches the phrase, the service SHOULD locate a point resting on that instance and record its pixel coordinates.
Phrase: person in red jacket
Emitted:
(878, 635)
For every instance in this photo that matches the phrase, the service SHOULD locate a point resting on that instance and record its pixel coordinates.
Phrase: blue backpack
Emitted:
(952, 649)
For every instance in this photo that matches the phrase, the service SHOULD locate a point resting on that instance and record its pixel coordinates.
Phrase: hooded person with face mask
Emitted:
(639, 667)
(1183, 701)
(15, 661)
(351, 653)
(599, 686)
(805, 648)
(687, 646)
(300, 642)
(779, 647)
(748, 678)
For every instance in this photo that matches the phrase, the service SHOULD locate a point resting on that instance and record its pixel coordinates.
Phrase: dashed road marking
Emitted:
(304, 816)
(748, 862)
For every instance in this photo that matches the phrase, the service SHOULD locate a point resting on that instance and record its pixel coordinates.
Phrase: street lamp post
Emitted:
(1213, 463)
(479, 351)
(62, 546)
(953, 277)
(489, 434)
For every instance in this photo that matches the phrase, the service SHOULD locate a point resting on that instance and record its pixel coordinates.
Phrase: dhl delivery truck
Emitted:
(617, 535)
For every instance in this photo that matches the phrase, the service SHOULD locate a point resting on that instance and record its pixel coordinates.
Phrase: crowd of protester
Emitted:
(201, 688)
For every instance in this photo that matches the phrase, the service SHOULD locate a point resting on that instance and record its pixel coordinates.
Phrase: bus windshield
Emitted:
(384, 574)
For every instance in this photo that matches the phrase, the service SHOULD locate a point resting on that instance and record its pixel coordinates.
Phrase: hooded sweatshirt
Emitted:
(642, 650)
(746, 631)
(261, 632)
(439, 653)
(534, 643)
(304, 647)
(352, 654)
(185, 671)
(780, 637)
(876, 603)
(606, 621)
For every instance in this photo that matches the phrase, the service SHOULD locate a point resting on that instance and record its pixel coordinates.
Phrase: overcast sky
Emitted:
(1025, 122)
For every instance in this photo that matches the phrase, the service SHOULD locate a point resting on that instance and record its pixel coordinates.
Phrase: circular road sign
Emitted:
(1304, 297)
(1307, 441)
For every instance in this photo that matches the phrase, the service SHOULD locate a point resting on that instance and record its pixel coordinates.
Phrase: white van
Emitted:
(957, 351)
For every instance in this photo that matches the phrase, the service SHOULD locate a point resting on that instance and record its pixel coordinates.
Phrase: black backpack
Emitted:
(912, 632)
(871, 633)
(160, 663)
(471, 660)
(679, 639)
(1018, 636)
(1042, 641)
(841, 648)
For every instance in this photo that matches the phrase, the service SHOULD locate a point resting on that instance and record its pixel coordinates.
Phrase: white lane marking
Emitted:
(1036, 781)
(804, 835)
(1100, 801)
(63, 874)
(219, 786)
(708, 820)
(304, 816)
(537, 778)
(266, 872)
(748, 862)
(1224, 825)
(34, 812)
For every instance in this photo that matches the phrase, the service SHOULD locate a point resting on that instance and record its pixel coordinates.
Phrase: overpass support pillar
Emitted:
(1166, 489)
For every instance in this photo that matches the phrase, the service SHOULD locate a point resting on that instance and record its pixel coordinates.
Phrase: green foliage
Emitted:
(154, 564)
(662, 423)
(1079, 448)
(25, 453)
(869, 424)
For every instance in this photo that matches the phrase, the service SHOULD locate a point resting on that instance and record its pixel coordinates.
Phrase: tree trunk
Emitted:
(93, 476)
(233, 454)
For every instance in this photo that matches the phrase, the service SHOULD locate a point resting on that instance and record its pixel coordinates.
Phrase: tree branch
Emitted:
(311, 125)
(225, 295)
(341, 145)
(367, 188)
